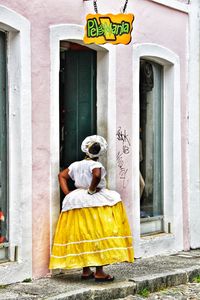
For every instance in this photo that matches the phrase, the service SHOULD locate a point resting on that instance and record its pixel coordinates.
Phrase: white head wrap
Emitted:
(90, 140)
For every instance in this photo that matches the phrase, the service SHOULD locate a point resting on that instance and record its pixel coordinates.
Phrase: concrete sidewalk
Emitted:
(151, 273)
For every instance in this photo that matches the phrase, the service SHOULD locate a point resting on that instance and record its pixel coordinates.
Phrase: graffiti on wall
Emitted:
(123, 138)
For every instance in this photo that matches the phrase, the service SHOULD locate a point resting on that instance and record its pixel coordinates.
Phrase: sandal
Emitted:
(86, 277)
(108, 278)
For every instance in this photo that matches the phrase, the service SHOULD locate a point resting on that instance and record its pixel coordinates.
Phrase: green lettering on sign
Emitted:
(115, 29)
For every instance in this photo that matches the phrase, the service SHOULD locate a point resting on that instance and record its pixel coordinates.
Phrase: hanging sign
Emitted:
(114, 29)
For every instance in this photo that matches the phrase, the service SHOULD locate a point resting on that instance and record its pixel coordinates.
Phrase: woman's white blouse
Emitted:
(81, 173)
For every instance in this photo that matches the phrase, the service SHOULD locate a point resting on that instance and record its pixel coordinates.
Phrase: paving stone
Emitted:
(190, 291)
(154, 273)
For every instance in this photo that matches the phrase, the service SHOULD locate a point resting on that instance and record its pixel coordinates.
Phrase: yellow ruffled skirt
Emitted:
(93, 236)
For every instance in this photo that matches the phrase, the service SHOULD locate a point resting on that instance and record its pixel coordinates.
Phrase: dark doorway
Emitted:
(77, 100)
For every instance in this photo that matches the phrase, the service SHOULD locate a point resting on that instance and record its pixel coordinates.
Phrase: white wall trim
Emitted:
(174, 4)
(172, 152)
(194, 123)
(20, 145)
(106, 105)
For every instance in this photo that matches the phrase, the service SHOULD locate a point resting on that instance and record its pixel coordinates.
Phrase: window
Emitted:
(166, 73)
(151, 146)
(15, 91)
(3, 152)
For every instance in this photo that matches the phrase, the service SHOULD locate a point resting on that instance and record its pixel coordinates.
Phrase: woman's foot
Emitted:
(101, 276)
(87, 273)
(105, 278)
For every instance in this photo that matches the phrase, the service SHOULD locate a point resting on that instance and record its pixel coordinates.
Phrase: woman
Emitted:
(92, 229)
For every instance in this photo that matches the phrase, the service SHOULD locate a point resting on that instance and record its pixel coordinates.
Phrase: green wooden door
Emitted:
(77, 102)
(3, 142)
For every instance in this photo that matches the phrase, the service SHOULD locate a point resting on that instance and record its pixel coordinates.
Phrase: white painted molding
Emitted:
(172, 151)
(194, 121)
(174, 4)
(20, 145)
(106, 105)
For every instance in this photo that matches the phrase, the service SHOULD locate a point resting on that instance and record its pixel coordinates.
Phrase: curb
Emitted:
(158, 282)
(152, 283)
(106, 291)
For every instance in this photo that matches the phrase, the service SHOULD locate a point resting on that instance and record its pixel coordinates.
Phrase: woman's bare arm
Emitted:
(63, 178)
(96, 178)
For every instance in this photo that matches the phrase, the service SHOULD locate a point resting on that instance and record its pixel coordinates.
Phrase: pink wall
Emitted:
(124, 91)
(41, 15)
(154, 23)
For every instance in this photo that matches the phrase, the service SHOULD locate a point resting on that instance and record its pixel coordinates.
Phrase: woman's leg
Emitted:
(86, 271)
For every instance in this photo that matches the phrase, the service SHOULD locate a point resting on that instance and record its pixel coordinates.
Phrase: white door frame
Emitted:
(106, 106)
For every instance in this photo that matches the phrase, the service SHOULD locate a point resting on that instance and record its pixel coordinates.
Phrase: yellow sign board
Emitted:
(114, 29)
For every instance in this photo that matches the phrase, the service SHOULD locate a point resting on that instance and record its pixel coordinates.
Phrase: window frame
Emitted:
(172, 176)
(19, 266)
(181, 6)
